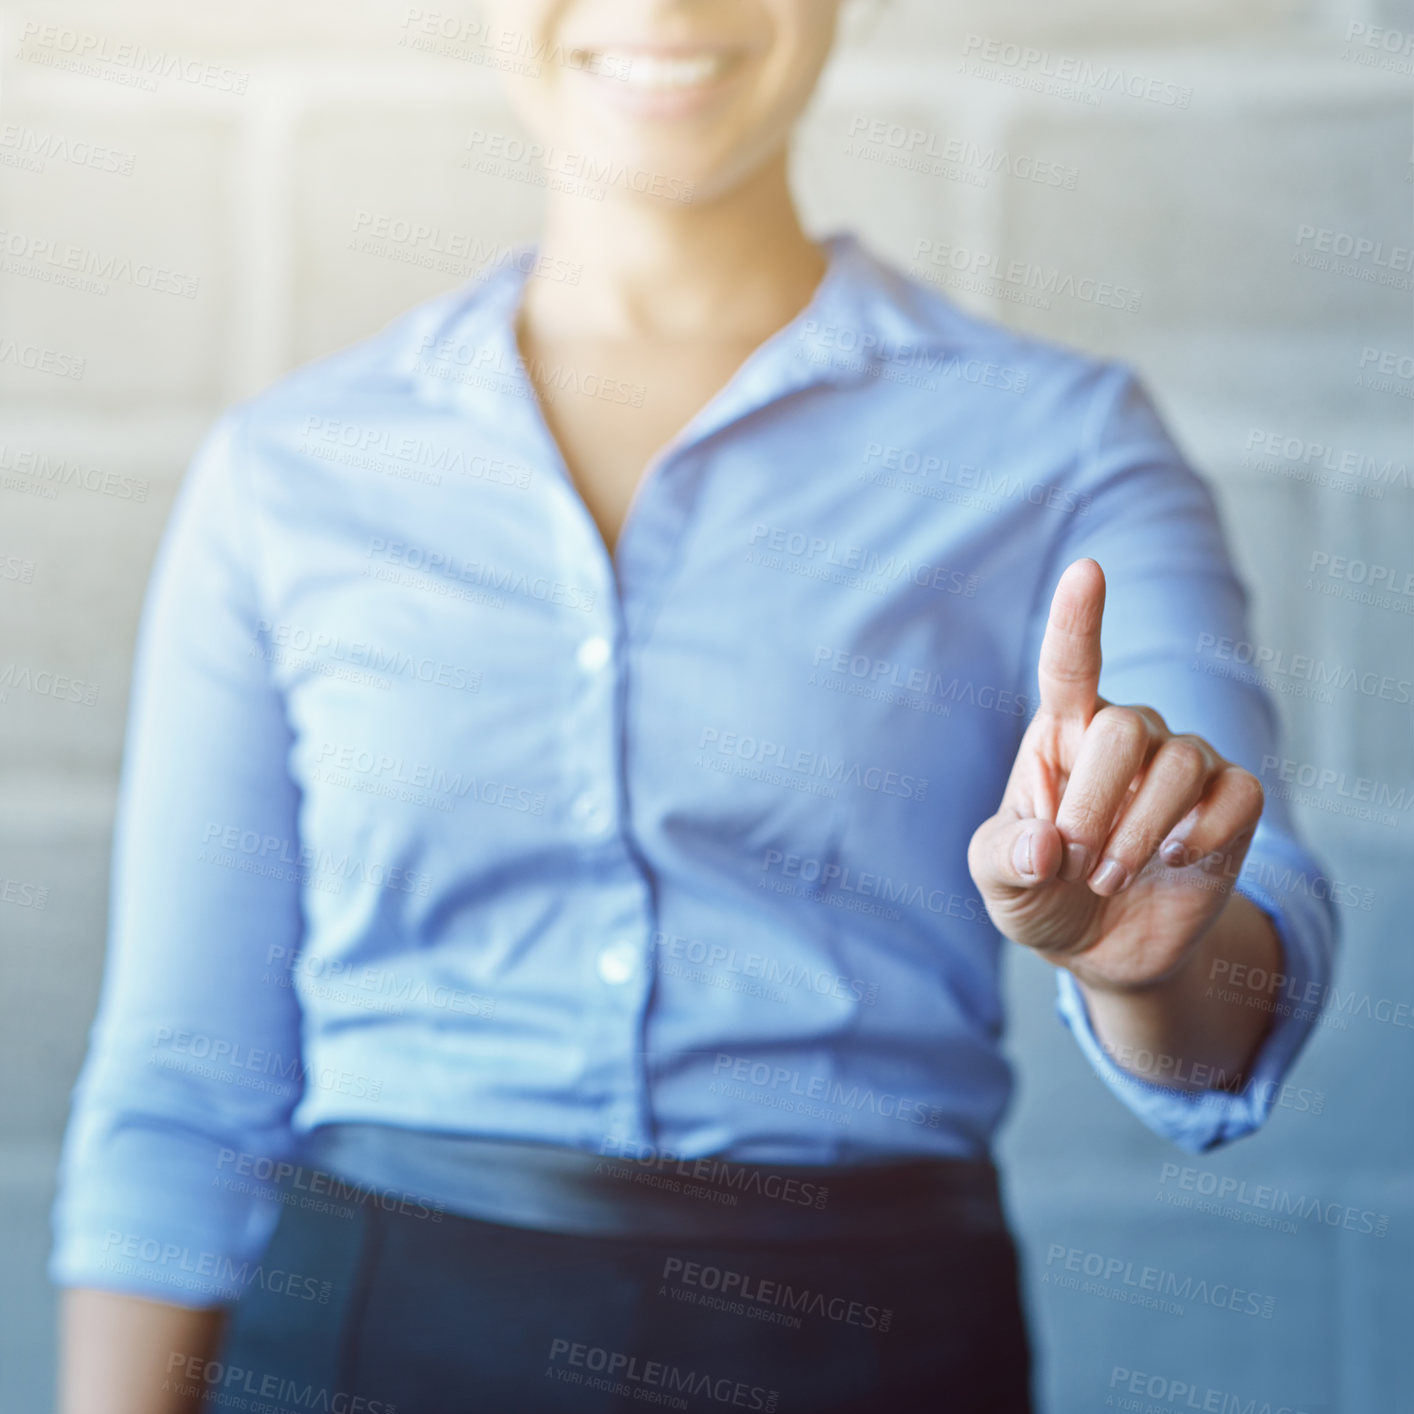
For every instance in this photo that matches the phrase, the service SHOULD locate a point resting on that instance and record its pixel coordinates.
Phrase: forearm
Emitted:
(123, 1355)
(1179, 1032)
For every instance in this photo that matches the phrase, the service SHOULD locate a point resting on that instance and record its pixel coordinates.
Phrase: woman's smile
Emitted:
(660, 81)
(707, 94)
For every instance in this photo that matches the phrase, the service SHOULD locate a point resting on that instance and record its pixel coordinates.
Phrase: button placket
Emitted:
(616, 966)
(619, 916)
(592, 808)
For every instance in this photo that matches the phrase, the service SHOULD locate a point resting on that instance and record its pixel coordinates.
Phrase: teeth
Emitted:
(649, 72)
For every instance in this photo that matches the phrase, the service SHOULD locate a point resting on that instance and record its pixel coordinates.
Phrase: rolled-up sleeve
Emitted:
(194, 1061)
(1173, 597)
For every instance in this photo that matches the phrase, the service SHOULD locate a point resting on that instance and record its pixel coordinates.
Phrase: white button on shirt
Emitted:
(593, 654)
(591, 812)
(617, 963)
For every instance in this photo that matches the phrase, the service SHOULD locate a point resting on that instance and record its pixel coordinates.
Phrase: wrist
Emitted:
(1192, 962)
(1169, 1026)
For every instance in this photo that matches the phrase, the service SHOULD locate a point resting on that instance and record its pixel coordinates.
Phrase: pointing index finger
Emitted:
(1069, 669)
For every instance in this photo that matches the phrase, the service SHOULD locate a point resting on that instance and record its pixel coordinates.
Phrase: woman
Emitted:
(589, 742)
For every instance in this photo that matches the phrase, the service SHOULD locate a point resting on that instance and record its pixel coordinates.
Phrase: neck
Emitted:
(737, 266)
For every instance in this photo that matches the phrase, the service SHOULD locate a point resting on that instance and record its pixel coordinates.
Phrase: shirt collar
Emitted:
(862, 318)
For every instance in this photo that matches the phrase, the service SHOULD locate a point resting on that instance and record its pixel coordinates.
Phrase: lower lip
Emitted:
(665, 102)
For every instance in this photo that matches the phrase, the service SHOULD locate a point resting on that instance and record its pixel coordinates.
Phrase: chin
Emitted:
(653, 163)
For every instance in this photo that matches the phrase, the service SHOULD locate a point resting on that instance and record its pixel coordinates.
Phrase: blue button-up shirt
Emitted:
(436, 815)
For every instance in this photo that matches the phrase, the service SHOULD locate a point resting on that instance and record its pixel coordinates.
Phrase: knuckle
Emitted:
(1187, 757)
(1129, 847)
(978, 848)
(1249, 792)
(1124, 726)
(1154, 718)
(1085, 828)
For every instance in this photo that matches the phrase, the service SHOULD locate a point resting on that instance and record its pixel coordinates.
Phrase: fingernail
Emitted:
(1171, 852)
(1077, 861)
(1109, 878)
(1023, 856)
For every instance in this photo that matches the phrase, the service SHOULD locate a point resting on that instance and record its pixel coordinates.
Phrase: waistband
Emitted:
(602, 1195)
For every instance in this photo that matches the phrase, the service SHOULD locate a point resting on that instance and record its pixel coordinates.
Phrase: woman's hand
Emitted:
(1117, 843)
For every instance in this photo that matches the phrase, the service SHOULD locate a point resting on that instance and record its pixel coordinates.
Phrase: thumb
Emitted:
(1007, 854)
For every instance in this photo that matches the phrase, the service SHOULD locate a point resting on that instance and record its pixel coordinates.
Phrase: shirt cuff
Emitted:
(1198, 1120)
(160, 1213)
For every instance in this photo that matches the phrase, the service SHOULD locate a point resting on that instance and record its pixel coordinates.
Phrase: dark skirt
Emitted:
(379, 1307)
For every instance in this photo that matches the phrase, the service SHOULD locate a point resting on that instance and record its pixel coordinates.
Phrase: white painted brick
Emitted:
(165, 224)
(890, 172)
(53, 956)
(88, 550)
(911, 23)
(210, 32)
(404, 166)
(1207, 212)
(27, 1317)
